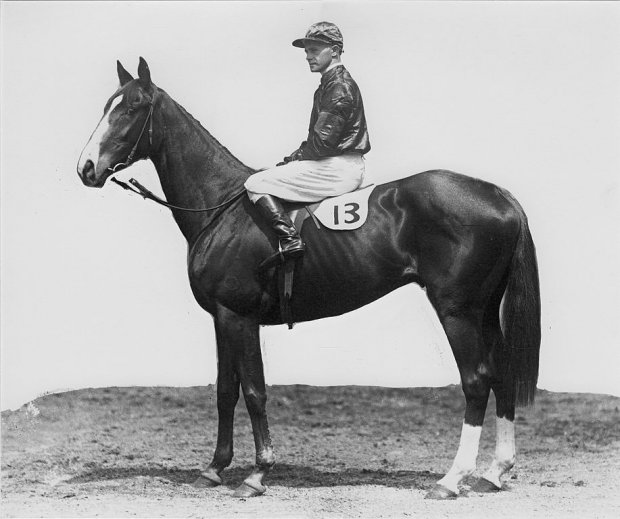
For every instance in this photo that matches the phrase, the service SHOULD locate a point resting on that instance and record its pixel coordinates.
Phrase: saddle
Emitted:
(339, 213)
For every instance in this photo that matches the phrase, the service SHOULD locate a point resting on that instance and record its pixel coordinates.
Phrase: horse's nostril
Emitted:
(88, 168)
(87, 172)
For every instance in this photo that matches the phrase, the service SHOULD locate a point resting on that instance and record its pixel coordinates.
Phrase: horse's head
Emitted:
(124, 133)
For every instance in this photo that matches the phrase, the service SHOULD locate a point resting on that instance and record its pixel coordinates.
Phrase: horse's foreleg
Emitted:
(227, 396)
(241, 334)
(464, 335)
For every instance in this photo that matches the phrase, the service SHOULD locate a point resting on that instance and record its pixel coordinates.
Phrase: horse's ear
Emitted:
(144, 74)
(123, 76)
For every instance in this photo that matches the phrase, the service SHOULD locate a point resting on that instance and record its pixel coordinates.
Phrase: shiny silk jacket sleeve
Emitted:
(337, 124)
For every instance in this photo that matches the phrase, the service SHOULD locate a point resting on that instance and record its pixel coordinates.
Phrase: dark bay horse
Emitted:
(466, 241)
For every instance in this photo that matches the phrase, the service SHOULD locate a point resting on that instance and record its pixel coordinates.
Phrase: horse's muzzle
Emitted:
(88, 174)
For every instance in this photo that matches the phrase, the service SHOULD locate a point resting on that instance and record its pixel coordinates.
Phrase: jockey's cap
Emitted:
(322, 32)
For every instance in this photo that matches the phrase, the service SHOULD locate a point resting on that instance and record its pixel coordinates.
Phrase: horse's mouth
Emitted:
(100, 183)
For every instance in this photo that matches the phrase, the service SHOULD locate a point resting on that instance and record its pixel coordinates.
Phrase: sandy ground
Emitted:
(342, 452)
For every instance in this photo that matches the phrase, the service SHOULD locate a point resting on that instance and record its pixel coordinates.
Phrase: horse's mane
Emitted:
(209, 138)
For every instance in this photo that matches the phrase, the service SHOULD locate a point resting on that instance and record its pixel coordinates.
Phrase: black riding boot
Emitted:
(291, 245)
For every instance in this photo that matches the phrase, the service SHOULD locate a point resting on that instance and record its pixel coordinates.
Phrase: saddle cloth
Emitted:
(339, 213)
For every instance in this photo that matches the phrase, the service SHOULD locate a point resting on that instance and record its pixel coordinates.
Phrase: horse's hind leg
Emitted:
(505, 452)
(463, 326)
(504, 458)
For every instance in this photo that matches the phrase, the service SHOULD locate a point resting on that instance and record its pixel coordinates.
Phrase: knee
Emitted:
(255, 179)
(254, 197)
(227, 400)
(249, 185)
(255, 401)
(252, 189)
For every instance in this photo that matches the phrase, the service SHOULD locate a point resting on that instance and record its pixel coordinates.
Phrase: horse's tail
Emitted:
(520, 317)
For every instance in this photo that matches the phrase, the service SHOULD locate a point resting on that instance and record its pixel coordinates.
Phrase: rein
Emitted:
(139, 189)
(144, 192)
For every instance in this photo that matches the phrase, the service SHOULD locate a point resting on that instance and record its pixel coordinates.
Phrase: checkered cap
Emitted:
(322, 32)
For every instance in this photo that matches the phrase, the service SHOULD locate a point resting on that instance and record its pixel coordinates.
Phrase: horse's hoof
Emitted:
(439, 492)
(245, 490)
(484, 486)
(207, 480)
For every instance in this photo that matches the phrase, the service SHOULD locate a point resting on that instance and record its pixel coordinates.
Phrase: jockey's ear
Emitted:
(144, 74)
(123, 76)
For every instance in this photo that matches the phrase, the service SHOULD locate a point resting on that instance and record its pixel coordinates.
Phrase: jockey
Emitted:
(330, 161)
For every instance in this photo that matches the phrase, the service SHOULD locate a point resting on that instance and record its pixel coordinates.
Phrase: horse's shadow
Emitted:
(293, 476)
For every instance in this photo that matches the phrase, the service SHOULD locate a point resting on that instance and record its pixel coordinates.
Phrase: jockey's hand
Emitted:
(288, 159)
(285, 160)
(296, 155)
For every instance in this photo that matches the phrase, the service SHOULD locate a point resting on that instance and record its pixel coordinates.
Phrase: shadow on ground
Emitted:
(284, 475)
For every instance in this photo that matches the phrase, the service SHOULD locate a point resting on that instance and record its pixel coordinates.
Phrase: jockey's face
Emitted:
(320, 56)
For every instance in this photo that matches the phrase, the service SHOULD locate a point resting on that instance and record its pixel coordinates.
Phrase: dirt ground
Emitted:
(342, 452)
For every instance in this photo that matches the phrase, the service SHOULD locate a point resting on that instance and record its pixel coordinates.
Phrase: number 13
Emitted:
(353, 209)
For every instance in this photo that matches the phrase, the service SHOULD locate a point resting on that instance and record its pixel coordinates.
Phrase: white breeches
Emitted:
(309, 180)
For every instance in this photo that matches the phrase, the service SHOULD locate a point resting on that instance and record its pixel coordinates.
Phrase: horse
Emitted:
(465, 241)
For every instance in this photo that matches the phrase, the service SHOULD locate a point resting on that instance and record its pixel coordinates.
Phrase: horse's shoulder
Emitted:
(221, 235)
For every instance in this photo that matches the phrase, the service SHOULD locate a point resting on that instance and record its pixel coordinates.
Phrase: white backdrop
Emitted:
(94, 284)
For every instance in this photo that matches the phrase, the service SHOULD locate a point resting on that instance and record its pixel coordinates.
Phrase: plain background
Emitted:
(94, 283)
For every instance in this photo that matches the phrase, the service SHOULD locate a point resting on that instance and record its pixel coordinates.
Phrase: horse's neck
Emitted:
(194, 169)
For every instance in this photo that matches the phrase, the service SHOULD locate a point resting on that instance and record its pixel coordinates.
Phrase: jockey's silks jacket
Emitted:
(337, 123)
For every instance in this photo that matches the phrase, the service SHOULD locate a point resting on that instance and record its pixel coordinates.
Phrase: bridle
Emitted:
(139, 189)
(149, 119)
